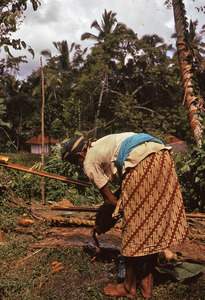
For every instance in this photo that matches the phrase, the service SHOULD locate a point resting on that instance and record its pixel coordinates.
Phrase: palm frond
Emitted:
(46, 52)
(96, 25)
(87, 35)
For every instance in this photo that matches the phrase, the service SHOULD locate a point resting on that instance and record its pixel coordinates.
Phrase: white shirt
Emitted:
(101, 156)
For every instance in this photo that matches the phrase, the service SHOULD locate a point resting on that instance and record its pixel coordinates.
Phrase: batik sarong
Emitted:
(154, 215)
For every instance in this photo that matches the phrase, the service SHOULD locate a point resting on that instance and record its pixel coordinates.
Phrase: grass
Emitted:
(27, 274)
(22, 159)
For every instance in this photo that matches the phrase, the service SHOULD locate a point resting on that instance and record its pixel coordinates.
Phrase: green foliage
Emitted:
(28, 186)
(57, 129)
(70, 114)
(128, 117)
(56, 190)
(124, 83)
(10, 19)
(191, 172)
(2, 113)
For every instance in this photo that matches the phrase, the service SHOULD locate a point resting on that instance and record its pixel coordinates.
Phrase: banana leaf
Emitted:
(184, 271)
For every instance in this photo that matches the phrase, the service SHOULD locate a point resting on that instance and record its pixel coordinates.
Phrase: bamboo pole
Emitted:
(42, 134)
(76, 208)
(1, 240)
(46, 174)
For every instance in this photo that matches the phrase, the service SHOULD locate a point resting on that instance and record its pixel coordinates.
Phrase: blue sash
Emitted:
(129, 144)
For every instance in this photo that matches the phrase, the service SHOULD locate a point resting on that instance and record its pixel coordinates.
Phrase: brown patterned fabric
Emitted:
(154, 215)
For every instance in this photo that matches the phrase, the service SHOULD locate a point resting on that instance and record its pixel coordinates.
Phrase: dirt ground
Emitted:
(68, 267)
(64, 236)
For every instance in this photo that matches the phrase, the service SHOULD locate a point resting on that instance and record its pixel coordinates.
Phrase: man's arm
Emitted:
(108, 196)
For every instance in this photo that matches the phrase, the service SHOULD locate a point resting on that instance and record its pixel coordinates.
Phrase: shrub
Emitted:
(191, 173)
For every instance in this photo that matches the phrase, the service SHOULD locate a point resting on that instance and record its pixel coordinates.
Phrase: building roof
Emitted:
(172, 139)
(176, 144)
(37, 140)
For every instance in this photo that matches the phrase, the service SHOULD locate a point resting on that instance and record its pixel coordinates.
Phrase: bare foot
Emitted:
(146, 286)
(117, 290)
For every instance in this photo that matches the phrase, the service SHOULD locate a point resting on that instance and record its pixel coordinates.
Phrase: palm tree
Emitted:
(52, 81)
(195, 43)
(152, 49)
(64, 57)
(192, 98)
(64, 51)
(108, 25)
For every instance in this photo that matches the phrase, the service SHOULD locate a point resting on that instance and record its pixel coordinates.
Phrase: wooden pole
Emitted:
(42, 134)
(0, 236)
(46, 174)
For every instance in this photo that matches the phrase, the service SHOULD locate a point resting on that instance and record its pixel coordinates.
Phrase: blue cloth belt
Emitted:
(129, 144)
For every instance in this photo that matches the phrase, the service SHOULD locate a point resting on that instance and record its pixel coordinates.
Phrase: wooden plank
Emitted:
(45, 174)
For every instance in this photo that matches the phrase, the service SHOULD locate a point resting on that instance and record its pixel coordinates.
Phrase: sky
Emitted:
(57, 20)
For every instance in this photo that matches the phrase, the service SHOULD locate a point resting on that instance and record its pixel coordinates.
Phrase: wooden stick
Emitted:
(46, 174)
(94, 209)
(192, 215)
(76, 208)
(27, 257)
(1, 240)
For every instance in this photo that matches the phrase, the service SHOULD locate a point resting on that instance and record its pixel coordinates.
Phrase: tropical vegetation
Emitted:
(122, 83)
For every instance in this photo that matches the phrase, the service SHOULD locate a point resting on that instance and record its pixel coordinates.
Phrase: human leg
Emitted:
(139, 271)
(146, 265)
(128, 287)
(146, 286)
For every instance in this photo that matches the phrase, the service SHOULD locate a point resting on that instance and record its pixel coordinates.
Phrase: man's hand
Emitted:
(104, 220)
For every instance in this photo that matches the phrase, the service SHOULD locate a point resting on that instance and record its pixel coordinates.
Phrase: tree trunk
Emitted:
(99, 105)
(192, 100)
(79, 116)
(42, 135)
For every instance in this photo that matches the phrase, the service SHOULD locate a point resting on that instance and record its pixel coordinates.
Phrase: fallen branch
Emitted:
(17, 204)
(18, 230)
(21, 261)
(98, 281)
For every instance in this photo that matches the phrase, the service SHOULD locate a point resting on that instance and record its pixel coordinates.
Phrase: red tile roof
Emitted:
(38, 140)
(172, 139)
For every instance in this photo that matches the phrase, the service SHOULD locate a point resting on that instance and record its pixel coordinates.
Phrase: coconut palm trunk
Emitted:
(192, 98)
(42, 135)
